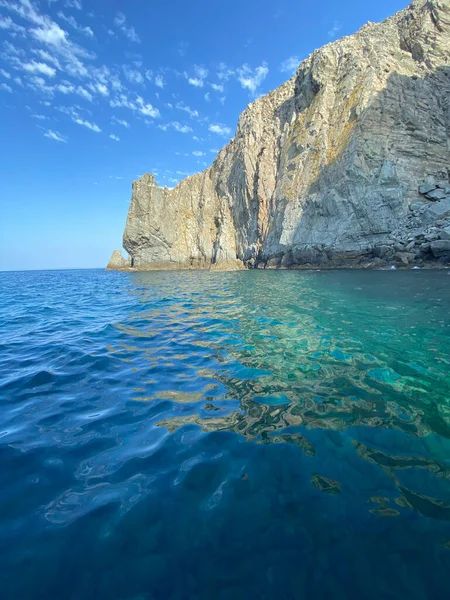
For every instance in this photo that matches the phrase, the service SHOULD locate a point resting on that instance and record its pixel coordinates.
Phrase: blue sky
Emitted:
(94, 94)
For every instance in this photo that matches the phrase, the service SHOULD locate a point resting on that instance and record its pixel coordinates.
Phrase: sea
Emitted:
(225, 436)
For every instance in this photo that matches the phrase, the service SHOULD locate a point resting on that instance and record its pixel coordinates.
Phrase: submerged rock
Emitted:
(324, 168)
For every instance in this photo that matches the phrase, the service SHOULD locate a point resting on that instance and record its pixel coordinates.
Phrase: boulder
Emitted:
(436, 195)
(440, 248)
(445, 234)
(426, 188)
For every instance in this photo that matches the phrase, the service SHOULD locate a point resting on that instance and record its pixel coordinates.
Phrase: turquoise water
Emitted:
(200, 435)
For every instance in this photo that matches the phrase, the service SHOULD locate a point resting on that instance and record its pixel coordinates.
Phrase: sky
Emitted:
(95, 93)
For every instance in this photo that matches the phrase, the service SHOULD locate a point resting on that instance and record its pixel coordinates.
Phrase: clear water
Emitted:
(225, 435)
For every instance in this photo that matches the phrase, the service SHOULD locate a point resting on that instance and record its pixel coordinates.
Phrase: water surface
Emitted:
(200, 435)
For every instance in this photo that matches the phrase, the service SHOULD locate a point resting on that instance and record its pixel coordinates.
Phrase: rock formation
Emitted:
(347, 163)
(117, 262)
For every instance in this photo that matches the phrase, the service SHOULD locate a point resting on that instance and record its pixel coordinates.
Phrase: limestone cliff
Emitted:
(348, 161)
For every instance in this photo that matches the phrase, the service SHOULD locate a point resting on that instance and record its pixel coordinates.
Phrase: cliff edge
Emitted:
(347, 163)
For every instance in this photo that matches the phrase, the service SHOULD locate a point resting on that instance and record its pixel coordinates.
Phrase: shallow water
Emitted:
(225, 435)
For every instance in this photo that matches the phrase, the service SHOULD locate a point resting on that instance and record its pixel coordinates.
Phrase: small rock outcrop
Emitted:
(346, 164)
(117, 262)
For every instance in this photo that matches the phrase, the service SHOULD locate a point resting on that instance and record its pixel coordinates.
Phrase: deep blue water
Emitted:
(225, 435)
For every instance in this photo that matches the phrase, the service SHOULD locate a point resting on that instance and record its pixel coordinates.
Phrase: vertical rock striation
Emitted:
(347, 162)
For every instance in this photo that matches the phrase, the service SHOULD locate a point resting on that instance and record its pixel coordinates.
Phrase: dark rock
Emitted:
(440, 248)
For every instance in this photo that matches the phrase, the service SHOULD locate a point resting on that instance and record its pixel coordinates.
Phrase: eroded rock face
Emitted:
(117, 262)
(346, 163)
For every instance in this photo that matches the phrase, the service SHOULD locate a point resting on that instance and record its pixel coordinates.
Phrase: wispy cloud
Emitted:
(198, 153)
(290, 65)
(133, 75)
(128, 31)
(7, 23)
(218, 87)
(222, 130)
(75, 25)
(177, 126)
(114, 137)
(159, 81)
(198, 80)
(139, 105)
(39, 117)
(38, 67)
(182, 48)
(194, 114)
(54, 135)
(335, 29)
(120, 122)
(5, 74)
(6, 88)
(251, 79)
(87, 124)
(74, 4)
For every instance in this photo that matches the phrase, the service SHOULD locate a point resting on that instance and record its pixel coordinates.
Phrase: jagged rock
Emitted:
(445, 234)
(437, 194)
(117, 262)
(426, 188)
(404, 258)
(331, 160)
(440, 248)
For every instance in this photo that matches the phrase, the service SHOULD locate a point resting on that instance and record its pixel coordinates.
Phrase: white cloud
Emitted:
(73, 23)
(195, 81)
(48, 58)
(290, 65)
(84, 123)
(199, 153)
(129, 32)
(133, 75)
(218, 87)
(39, 117)
(149, 74)
(114, 137)
(65, 88)
(147, 109)
(190, 111)
(220, 129)
(120, 122)
(214, 150)
(334, 30)
(54, 135)
(159, 81)
(5, 87)
(207, 97)
(224, 73)
(177, 126)
(84, 93)
(74, 4)
(102, 89)
(38, 67)
(8, 24)
(251, 79)
(200, 75)
(5, 74)
(201, 71)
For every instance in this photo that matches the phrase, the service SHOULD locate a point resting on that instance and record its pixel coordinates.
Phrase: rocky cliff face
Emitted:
(348, 162)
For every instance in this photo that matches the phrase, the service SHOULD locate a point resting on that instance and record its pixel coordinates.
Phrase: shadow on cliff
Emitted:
(407, 118)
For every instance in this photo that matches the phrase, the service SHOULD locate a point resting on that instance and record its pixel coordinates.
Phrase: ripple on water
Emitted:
(258, 434)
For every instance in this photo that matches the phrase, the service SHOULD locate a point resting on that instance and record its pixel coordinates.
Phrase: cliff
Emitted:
(348, 162)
